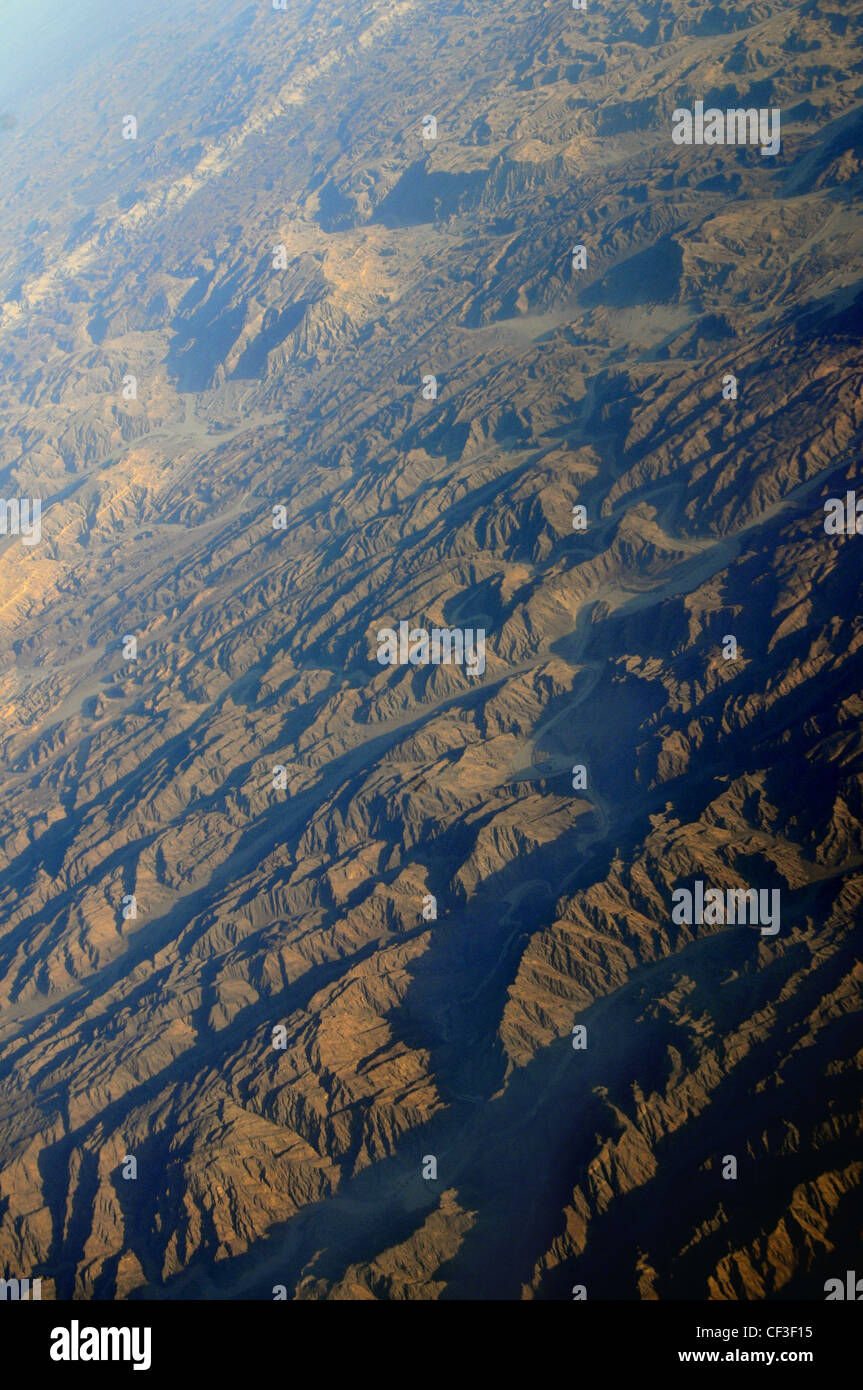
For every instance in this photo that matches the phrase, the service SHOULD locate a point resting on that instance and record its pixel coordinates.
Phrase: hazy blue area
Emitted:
(43, 40)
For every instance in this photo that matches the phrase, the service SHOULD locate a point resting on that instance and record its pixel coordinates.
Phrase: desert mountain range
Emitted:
(280, 259)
